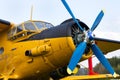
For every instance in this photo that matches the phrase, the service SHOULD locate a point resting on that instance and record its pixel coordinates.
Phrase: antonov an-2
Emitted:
(37, 50)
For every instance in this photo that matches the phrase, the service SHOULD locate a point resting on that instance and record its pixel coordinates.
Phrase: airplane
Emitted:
(37, 50)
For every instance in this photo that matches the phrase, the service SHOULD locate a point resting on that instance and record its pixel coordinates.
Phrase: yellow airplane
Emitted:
(37, 50)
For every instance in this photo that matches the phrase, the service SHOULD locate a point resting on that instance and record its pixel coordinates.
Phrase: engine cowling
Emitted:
(77, 35)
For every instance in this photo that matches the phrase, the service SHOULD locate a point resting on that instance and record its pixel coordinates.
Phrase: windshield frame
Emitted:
(14, 33)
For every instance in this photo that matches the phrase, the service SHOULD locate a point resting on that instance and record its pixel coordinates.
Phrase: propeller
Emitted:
(71, 13)
(88, 39)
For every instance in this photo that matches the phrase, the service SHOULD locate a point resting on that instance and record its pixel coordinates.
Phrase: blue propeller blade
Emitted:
(71, 13)
(102, 59)
(97, 21)
(77, 55)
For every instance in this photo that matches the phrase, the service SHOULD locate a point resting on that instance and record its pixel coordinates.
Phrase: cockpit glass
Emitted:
(19, 28)
(48, 25)
(13, 31)
(39, 25)
(29, 26)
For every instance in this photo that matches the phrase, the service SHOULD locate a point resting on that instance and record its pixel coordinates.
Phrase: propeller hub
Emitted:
(80, 37)
(89, 36)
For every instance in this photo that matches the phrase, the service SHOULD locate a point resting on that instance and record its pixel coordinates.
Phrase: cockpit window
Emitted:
(26, 29)
(48, 25)
(12, 31)
(29, 26)
(39, 24)
(19, 28)
(15, 30)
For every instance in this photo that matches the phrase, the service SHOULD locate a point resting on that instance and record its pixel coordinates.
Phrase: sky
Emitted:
(53, 11)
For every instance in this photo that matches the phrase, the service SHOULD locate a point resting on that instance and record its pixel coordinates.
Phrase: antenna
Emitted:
(31, 12)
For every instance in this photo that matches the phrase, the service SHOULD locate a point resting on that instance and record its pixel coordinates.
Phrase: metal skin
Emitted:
(36, 54)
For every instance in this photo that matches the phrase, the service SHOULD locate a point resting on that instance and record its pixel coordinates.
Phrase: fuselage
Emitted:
(33, 53)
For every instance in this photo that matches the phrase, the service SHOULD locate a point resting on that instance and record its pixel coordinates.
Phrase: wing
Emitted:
(107, 45)
(4, 25)
(91, 77)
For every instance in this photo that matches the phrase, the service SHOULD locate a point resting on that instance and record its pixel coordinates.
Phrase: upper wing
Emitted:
(4, 25)
(107, 45)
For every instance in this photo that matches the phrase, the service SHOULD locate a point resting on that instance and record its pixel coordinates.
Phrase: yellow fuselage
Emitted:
(28, 58)
(14, 63)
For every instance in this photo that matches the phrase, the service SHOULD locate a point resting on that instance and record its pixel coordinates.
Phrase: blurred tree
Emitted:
(115, 62)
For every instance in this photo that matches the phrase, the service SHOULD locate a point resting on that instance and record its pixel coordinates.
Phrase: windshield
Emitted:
(12, 32)
(48, 25)
(29, 26)
(19, 28)
(41, 25)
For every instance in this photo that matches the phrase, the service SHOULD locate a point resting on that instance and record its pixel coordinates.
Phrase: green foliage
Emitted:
(115, 62)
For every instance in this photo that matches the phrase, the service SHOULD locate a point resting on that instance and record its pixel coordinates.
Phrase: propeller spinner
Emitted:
(88, 39)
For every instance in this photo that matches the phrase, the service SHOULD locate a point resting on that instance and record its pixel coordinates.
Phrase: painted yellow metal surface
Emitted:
(15, 65)
(4, 27)
(91, 77)
(14, 62)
